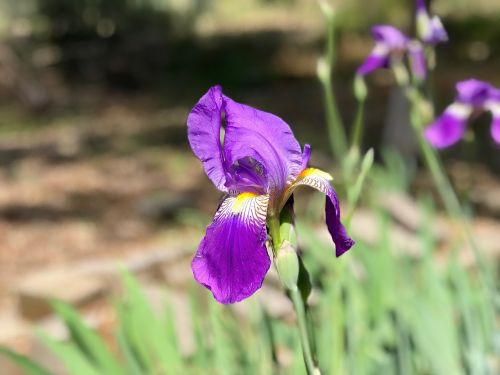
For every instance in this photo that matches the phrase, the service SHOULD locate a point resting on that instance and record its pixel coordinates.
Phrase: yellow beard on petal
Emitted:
(317, 172)
(240, 201)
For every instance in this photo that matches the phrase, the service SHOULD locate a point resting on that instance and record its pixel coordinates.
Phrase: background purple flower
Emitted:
(471, 95)
(389, 41)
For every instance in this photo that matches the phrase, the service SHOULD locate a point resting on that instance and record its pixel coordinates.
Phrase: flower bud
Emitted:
(287, 264)
(360, 89)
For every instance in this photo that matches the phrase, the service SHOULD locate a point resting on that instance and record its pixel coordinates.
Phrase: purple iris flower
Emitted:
(389, 42)
(392, 44)
(257, 163)
(429, 28)
(472, 95)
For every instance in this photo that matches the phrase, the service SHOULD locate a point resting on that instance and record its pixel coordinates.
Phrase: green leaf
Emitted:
(27, 365)
(73, 359)
(87, 341)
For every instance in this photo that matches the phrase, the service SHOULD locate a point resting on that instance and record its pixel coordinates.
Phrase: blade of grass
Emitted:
(28, 366)
(88, 342)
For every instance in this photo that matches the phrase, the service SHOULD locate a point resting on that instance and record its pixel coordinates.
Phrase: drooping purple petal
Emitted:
(204, 127)
(321, 181)
(265, 138)
(377, 59)
(495, 129)
(388, 40)
(232, 259)
(450, 126)
(493, 105)
(417, 60)
(473, 92)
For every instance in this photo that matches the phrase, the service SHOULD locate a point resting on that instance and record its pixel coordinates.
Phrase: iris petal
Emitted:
(306, 155)
(449, 127)
(321, 181)
(204, 126)
(232, 259)
(388, 39)
(377, 59)
(493, 105)
(417, 60)
(473, 92)
(265, 138)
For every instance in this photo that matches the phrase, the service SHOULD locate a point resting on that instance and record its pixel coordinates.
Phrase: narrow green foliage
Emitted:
(75, 361)
(87, 341)
(28, 366)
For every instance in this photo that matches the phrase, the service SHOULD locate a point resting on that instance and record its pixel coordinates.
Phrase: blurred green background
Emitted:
(95, 169)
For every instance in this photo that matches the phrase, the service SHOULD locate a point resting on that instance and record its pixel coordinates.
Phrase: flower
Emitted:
(258, 165)
(472, 95)
(429, 29)
(389, 43)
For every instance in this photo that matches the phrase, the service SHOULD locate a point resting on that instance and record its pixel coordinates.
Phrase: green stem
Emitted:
(450, 199)
(336, 133)
(421, 112)
(446, 191)
(358, 125)
(273, 223)
(299, 304)
(300, 311)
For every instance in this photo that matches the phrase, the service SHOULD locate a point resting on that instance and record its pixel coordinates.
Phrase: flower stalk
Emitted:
(421, 113)
(336, 132)
(287, 264)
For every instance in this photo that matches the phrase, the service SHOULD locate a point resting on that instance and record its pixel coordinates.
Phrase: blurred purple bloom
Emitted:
(258, 165)
(472, 95)
(418, 64)
(429, 29)
(493, 105)
(389, 42)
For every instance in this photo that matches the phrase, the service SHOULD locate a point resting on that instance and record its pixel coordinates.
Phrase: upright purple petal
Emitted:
(450, 126)
(493, 105)
(417, 60)
(321, 181)
(390, 36)
(388, 40)
(204, 127)
(473, 92)
(439, 34)
(429, 29)
(232, 258)
(377, 59)
(265, 138)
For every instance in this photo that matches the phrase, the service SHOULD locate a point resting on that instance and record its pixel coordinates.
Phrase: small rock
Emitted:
(36, 292)
(488, 199)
